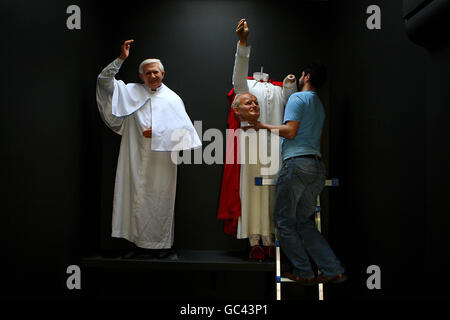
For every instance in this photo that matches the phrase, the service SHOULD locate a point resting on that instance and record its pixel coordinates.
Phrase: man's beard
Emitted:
(301, 84)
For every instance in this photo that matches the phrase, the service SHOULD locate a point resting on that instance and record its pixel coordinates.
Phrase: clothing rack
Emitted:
(260, 181)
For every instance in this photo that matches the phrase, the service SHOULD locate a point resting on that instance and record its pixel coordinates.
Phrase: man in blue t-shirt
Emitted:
(300, 181)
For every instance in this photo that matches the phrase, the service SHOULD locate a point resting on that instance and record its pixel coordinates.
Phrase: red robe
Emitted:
(230, 200)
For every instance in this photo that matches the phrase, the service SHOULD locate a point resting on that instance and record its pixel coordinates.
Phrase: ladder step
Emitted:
(332, 183)
(260, 181)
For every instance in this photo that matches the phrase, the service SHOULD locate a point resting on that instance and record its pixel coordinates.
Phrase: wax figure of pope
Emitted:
(149, 117)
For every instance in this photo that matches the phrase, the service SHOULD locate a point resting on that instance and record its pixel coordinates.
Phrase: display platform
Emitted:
(185, 259)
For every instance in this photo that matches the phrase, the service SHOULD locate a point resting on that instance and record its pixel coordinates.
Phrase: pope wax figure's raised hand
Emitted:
(125, 49)
(242, 31)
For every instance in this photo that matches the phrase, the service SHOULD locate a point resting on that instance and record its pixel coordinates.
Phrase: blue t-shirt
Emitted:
(306, 108)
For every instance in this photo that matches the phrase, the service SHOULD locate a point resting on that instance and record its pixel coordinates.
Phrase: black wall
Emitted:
(47, 84)
(389, 143)
(386, 132)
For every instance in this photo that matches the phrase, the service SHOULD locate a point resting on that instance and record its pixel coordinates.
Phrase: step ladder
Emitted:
(260, 181)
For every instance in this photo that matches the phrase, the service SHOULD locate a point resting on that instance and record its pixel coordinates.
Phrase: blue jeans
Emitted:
(300, 181)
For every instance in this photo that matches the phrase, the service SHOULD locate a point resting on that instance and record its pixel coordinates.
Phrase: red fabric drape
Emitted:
(230, 201)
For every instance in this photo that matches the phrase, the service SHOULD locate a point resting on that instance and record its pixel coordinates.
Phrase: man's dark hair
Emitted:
(318, 73)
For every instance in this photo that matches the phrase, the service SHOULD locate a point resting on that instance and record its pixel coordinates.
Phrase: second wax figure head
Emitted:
(152, 73)
(246, 107)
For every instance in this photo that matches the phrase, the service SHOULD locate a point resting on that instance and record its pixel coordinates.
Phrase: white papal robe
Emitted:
(257, 202)
(144, 193)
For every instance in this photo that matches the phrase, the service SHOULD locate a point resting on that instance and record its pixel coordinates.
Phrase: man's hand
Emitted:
(147, 133)
(287, 130)
(242, 32)
(245, 128)
(125, 49)
(257, 125)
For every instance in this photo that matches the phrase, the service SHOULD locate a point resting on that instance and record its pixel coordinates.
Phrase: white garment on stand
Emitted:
(257, 202)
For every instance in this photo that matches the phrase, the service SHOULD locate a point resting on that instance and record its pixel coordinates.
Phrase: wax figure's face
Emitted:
(152, 75)
(248, 109)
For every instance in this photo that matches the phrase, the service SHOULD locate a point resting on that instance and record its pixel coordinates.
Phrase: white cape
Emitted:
(172, 130)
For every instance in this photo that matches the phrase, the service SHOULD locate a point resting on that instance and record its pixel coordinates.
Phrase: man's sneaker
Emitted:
(300, 280)
(341, 277)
